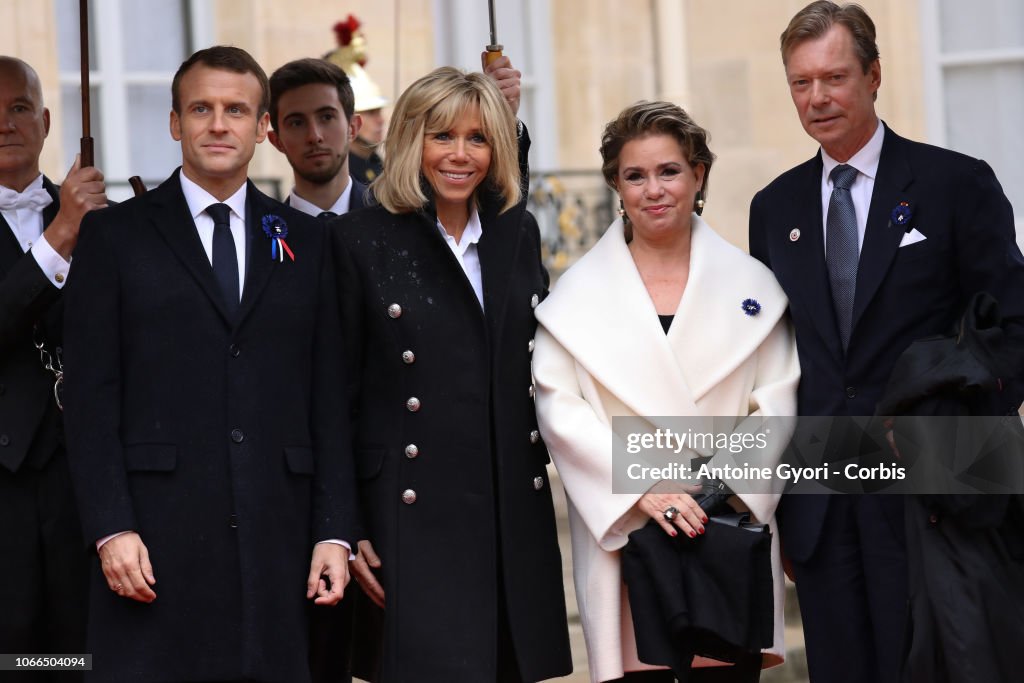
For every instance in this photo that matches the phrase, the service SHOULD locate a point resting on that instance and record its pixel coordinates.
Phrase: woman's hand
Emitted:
(674, 511)
(363, 566)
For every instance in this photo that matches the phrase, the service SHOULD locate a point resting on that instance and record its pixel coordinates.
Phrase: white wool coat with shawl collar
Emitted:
(601, 352)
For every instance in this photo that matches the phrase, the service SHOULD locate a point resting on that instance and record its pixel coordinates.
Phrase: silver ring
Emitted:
(119, 587)
(670, 513)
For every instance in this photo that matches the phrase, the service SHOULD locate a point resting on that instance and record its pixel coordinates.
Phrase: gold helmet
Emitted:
(351, 56)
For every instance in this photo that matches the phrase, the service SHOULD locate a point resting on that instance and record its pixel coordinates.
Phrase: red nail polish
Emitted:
(674, 534)
(705, 520)
(693, 535)
(700, 530)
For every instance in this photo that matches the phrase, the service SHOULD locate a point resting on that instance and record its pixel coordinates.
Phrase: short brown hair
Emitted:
(225, 58)
(433, 103)
(310, 71)
(819, 17)
(655, 118)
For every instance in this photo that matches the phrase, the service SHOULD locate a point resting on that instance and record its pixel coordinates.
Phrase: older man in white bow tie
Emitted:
(43, 574)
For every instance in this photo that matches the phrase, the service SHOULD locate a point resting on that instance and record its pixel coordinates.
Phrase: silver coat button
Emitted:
(532, 345)
(411, 451)
(413, 404)
(533, 391)
(534, 436)
(408, 496)
(394, 311)
(538, 483)
(534, 300)
(408, 357)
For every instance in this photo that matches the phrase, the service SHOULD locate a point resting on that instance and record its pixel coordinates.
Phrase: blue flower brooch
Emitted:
(751, 307)
(901, 216)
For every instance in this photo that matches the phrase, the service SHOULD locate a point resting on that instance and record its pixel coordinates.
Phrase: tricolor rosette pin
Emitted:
(276, 231)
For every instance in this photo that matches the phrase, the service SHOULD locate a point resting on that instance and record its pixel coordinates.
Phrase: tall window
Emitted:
(135, 48)
(525, 32)
(974, 62)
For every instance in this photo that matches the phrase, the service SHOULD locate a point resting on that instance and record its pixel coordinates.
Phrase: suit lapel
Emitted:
(10, 250)
(805, 257)
(259, 265)
(881, 240)
(50, 212)
(631, 356)
(173, 221)
(498, 249)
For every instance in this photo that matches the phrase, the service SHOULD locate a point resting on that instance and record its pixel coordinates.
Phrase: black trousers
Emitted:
(853, 593)
(44, 573)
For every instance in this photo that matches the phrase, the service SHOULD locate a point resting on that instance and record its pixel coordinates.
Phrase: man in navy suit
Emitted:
(313, 123)
(43, 574)
(203, 398)
(878, 241)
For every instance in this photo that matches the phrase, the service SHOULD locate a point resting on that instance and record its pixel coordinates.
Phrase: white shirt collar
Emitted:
(470, 236)
(865, 160)
(198, 199)
(340, 207)
(36, 184)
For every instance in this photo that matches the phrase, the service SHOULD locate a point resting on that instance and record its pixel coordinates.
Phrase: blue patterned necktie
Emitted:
(225, 257)
(841, 253)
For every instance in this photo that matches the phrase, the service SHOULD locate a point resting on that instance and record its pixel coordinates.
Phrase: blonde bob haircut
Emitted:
(431, 105)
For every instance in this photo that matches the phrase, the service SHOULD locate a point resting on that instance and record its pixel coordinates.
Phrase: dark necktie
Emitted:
(326, 215)
(225, 258)
(841, 253)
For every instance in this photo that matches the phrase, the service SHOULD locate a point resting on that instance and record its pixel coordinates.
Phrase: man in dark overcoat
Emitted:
(878, 241)
(203, 395)
(43, 574)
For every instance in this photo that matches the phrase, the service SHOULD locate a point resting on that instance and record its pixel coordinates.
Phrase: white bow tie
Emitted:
(37, 199)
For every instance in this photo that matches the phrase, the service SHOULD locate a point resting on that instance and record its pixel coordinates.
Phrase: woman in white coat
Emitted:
(661, 318)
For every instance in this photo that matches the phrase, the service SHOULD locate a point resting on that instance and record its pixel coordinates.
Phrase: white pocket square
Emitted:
(912, 237)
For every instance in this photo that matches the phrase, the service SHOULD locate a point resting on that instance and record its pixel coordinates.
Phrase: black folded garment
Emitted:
(710, 596)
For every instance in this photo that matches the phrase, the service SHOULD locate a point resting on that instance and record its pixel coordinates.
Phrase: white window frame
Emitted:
(110, 78)
(934, 64)
(935, 61)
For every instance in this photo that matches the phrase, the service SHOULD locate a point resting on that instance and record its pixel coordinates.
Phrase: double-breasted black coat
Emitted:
(453, 487)
(217, 437)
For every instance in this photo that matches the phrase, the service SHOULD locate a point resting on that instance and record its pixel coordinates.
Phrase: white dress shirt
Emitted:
(27, 226)
(866, 163)
(466, 253)
(198, 199)
(340, 207)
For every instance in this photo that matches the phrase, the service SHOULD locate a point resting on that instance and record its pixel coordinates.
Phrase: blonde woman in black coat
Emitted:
(438, 285)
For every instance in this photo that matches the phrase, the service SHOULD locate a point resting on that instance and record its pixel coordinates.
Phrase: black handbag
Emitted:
(712, 500)
(712, 595)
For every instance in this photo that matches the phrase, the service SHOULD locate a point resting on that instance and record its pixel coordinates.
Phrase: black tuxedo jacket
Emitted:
(903, 293)
(29, 419)
(218, 439)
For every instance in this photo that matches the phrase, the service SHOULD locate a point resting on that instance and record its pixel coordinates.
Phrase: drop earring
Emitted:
(698, 206)
(622, 210)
